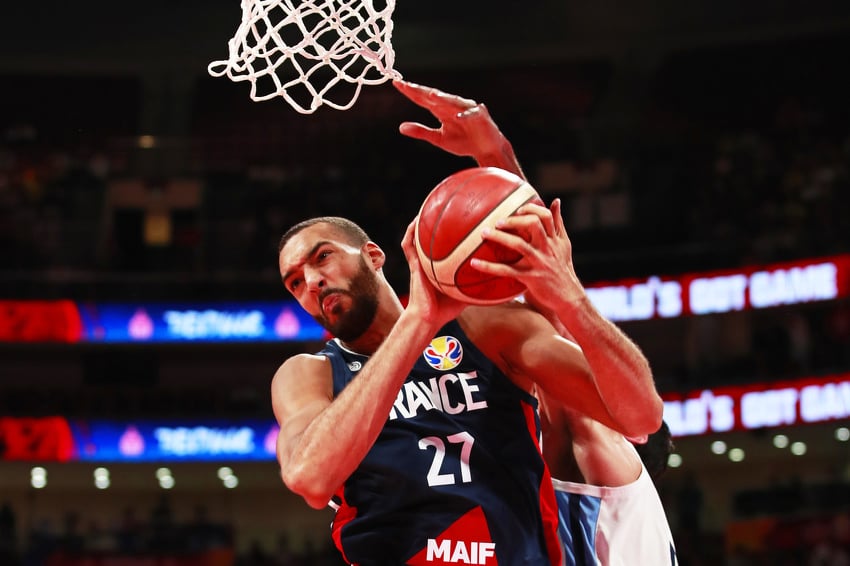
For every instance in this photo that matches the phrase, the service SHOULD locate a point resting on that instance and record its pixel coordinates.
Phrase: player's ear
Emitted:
(376, 255)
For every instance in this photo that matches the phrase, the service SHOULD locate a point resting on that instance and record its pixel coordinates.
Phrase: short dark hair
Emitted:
(352, 232)
(656, 451)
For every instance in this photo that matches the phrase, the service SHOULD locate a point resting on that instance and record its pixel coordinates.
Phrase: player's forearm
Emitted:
(333, 445)
(623, 375)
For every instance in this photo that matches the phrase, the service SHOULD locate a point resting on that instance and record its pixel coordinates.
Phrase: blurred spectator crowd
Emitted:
(158, 538)
(746, 164)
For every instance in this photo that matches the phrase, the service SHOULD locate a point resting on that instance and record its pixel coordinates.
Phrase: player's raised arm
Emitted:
(621, 372)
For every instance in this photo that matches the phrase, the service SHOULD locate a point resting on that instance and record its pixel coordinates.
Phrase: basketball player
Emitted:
(419, 424)
(610, 512)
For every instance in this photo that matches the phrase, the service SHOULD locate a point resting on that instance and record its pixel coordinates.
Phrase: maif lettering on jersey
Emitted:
(466, 541)
(450, 393)
(459, 552)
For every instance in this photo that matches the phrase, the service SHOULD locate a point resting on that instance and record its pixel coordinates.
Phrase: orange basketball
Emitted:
(448, 232)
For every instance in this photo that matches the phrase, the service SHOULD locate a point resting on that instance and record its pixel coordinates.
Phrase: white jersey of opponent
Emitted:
(613, 526)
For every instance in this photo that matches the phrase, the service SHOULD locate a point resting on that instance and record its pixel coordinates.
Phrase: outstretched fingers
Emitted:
(419, 131)
(434, 100)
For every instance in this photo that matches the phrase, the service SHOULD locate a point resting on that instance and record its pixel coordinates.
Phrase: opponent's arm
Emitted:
(466, 128)
(322, 440)
(579, 449)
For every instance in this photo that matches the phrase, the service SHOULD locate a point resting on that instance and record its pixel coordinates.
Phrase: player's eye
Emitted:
(294, 284)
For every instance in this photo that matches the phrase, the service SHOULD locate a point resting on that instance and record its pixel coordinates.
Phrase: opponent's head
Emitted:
(332, 268)
(656, 451)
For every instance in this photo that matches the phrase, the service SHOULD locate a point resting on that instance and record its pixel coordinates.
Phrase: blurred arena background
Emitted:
(700, 147)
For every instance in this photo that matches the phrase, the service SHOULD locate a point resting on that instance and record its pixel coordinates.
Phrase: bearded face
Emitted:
(349, 317)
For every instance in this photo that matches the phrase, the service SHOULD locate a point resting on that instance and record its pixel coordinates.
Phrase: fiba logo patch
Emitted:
(443, 353)
(355, 366)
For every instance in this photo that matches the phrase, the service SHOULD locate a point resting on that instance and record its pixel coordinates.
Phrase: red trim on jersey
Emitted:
(464, 538)
(548, 504)
(343, 516)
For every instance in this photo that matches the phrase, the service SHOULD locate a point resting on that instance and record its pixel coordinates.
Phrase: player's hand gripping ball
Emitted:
(448, 233)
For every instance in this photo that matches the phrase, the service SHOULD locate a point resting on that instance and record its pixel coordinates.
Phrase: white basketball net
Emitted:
(311, 52)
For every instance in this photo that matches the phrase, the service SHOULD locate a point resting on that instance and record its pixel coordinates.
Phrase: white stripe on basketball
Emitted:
(427, 264)
(444, 269)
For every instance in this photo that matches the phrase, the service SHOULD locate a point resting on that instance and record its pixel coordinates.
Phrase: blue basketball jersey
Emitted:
(614, 526)
(456, 475)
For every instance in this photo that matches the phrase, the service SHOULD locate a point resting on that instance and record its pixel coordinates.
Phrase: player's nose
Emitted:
(314, 280)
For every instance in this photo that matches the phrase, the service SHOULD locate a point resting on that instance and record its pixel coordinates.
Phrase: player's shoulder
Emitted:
(302, 364)
(498, 330)
(504, 319)
(505, 313)
(301, 381)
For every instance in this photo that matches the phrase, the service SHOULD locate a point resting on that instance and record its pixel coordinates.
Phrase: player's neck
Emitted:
(369, 341)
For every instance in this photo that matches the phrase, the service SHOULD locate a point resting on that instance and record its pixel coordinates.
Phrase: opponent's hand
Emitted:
(466, 128)
(546, 267)
(433, 305)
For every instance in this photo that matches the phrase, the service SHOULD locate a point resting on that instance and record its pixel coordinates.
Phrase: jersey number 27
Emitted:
(435, 474)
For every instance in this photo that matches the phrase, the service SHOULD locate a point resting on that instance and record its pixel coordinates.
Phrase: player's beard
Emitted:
(353, 323)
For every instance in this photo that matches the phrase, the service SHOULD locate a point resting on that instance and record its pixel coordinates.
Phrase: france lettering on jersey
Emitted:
(456, 475)
(613, 526)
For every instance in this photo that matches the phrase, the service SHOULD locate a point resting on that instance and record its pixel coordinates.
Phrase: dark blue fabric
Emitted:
(397, 511)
